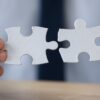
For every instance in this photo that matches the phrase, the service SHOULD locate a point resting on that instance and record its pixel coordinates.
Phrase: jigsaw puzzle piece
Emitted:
(81, 39)
(34, 45)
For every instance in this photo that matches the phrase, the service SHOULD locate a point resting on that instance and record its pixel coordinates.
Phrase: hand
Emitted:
(3, 55)
(3, 51)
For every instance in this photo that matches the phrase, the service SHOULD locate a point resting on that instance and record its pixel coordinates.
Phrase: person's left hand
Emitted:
(3, 55)
(3, 51)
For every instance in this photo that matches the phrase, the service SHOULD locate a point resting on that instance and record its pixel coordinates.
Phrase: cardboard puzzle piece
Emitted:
(81, 39)
(34, 45)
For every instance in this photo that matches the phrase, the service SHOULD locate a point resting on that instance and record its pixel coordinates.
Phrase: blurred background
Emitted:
(53, 14)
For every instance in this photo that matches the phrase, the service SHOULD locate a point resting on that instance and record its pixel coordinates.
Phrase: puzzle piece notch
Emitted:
(26, 30)
(64, 44)
(34, 45)
(26, 60)
(84, 57)
(81, 39)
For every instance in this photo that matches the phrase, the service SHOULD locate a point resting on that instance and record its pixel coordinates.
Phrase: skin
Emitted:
(3, 55)
(2, 45)
(1, 70)
(3, 51)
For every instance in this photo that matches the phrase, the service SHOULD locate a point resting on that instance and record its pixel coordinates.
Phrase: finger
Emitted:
(1, 71)
(3, 56)
(2, 45)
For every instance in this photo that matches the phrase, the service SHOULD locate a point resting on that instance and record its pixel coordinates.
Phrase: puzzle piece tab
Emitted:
(34, 45)
(81, 39)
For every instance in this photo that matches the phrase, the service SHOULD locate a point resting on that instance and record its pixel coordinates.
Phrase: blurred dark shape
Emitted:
(52, 18)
